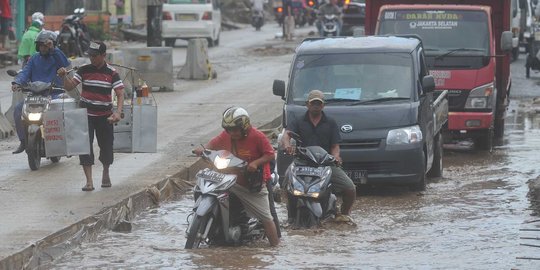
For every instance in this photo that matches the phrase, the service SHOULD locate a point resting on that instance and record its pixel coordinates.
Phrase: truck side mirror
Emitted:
(506, 41)
(279, 88)
(428, 84)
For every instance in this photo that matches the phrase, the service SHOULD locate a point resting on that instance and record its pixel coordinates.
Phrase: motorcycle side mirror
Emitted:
(295, 136)
(12, 72)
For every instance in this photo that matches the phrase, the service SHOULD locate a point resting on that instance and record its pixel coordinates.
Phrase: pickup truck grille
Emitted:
(367, 144)
(457, 99)
(371, 167)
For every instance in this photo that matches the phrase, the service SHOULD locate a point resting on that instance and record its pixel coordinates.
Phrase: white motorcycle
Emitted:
(217, 216)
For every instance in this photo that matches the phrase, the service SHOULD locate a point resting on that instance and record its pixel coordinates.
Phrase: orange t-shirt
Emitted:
(249, 148)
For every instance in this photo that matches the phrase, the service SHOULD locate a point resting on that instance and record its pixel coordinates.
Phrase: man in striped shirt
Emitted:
(98, 80)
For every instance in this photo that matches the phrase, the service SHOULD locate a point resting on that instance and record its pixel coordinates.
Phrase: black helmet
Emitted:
(43, 36)
(236, 117)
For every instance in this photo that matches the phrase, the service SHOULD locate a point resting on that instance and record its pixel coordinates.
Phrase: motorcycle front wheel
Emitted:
(33, 151)
(305, 218)
(196, 230)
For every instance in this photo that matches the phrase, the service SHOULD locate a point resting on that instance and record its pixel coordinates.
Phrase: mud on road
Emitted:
(476, 217)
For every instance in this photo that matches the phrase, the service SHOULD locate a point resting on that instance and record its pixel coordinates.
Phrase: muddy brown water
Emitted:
(472, 218)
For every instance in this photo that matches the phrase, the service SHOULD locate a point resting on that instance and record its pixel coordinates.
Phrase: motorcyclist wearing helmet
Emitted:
(42, 67)
(27, 47)
(251, 145)
(330, 7)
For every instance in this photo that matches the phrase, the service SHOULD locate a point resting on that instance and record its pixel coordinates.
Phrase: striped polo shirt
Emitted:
(97, 86)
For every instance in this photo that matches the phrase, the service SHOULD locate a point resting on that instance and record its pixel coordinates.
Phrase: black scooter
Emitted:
(257, 19)
(309, 191)
(74, 38)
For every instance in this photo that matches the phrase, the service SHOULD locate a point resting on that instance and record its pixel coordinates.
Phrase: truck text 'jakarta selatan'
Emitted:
(467, 47)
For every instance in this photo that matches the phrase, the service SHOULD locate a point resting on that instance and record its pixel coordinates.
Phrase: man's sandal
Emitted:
(106, 184)
(88, 188)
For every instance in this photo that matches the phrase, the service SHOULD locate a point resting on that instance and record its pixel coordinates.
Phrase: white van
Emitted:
(185, 19)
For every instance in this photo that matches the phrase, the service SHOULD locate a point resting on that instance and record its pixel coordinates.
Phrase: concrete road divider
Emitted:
(197, 65)
(6, 129)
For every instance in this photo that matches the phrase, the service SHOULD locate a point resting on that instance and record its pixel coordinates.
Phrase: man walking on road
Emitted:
(98, 80)
(5, 17)
(41, 67)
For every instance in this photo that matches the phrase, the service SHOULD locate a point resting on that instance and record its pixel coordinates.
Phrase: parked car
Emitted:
(354, 14)
(186, 19)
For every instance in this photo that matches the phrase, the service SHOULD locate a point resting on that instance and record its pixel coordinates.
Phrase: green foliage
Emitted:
(97, 30)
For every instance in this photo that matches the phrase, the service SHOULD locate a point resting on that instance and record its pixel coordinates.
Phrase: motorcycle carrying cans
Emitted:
(55, 125)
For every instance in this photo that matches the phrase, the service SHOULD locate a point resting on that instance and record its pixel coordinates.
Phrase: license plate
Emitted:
(186, 17)
(308, 171)
(358, 175)
(211, 176)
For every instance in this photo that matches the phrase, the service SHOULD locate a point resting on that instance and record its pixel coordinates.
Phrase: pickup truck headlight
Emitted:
(480, 97)
(406, 135)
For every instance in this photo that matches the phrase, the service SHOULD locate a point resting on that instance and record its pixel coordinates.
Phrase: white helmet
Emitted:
(38, 17)
(236, 117)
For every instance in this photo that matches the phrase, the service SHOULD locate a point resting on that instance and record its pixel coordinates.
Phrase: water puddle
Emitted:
(472, 218)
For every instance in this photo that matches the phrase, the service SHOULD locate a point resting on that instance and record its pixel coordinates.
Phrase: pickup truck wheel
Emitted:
(485, 142)
(421, 184)
(515, 53)
(210, 42)
(437, 166)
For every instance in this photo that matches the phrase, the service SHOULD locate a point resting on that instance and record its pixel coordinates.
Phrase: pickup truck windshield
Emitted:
(347, 78)
(441, 30)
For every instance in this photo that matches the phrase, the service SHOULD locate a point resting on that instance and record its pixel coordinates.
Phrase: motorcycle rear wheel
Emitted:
(198, 224)
(33, 151)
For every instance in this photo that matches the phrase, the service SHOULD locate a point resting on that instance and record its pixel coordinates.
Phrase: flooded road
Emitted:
(469, 219)
(477, 216)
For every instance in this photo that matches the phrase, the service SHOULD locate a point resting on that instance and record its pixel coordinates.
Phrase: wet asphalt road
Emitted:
(475, 217)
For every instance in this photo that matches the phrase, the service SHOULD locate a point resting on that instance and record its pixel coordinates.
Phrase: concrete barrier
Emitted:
(6, 129)
(197, 65)
(154, 65)
(16, 97)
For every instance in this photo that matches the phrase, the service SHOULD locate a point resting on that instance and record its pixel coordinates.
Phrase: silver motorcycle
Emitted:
(218, 217)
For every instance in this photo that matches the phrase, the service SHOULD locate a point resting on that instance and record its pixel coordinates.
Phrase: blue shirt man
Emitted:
(42, 67)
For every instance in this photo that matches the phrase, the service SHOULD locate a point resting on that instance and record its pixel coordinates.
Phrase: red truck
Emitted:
(467, 46)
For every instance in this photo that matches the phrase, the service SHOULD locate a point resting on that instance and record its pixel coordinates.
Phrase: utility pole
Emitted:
(154, 10)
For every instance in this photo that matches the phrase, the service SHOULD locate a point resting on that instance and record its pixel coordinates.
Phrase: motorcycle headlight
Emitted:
(221, 163)
(481, 97)
(407, 135)
(297, 187)
(314, 191)
(34, 116)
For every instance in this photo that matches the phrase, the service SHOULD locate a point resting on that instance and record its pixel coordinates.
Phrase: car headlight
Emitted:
(481, 97)
(407, 135)
(34, 116)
